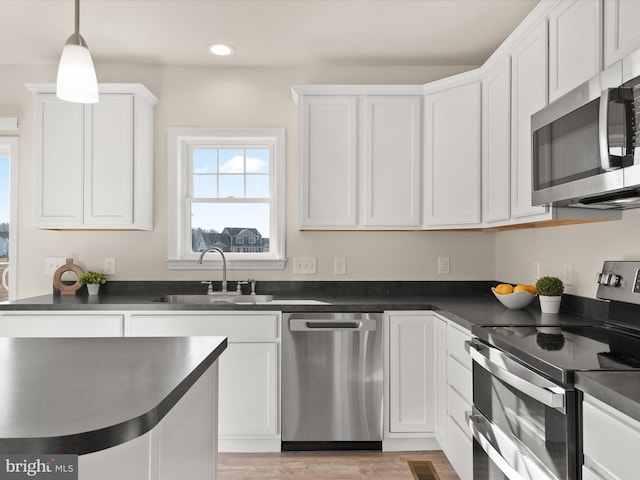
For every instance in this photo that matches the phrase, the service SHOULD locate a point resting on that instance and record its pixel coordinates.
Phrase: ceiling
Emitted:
(263, 32)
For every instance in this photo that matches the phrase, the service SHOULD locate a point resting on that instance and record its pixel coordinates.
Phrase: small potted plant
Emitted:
(93, 280)
(550, 291)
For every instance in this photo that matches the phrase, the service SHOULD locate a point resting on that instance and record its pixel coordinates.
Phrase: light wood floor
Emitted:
(327, 465)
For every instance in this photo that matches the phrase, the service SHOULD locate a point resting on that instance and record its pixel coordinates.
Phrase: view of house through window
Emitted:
(230, 199)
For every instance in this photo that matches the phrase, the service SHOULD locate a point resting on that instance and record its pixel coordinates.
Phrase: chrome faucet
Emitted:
(224, 266)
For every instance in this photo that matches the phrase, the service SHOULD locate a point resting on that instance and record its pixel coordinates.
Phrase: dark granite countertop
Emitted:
(620, 390)
(82, 395)
(466, 303)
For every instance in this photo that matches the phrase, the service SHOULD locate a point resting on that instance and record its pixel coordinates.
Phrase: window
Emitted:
(8, 216)
(226, 189)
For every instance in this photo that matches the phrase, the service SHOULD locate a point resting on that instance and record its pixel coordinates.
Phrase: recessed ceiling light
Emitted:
(220, 49)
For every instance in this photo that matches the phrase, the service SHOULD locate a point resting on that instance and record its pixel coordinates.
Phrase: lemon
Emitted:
(525, 288)
(504, 289)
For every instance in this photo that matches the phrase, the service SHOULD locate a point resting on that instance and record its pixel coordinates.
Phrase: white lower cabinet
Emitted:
(610, 442)
(409, 381)
(249, 386)
(60, 324)
(454, 395)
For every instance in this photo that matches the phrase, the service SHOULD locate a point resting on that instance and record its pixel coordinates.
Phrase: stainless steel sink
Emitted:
(222, 298)
(215, 298)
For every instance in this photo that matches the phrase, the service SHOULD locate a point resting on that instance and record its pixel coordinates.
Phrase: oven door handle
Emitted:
(510, 455)
(518, 376)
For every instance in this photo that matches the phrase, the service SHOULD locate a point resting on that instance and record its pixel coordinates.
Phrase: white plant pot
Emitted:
(550, 304)
(93, 288)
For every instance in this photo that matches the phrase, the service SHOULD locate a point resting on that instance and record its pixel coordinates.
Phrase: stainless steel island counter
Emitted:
(130, 407)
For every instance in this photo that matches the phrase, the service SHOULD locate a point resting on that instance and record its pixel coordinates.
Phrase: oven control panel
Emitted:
(620, 281)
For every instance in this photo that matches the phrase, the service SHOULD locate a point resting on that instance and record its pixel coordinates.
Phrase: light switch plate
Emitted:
(51, 264)
(444, 266)
(304, 265)
(110, 266)
(340, 266)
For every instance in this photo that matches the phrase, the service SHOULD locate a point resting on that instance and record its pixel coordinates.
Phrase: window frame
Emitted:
(180, 141)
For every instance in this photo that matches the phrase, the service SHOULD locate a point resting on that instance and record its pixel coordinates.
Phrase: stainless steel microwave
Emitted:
(586, 144)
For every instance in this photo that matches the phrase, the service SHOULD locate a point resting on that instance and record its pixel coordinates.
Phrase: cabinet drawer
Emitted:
(455, 345)
(458, 407)
(588, 474)
(459, 378)
(236, 327)
(459, 451)
(61, 325)
(611, 440)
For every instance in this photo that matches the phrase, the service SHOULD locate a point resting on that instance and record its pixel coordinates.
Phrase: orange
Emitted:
(504, 289)
(525, 288)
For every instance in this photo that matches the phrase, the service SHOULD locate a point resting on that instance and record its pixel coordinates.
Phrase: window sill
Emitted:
(231, 264)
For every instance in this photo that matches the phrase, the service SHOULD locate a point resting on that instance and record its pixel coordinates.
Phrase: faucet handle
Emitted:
(239, 286)
(209, 287)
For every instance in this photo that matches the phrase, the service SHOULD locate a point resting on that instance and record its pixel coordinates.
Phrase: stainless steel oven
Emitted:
(526, 416)
(523, 424)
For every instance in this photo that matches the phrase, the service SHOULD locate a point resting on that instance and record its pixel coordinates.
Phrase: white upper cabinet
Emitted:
(452, 156)
(575, 45)
(329, 161)
(392, 159)
(496, 143)
(528, 95)
(94, 162)
(621, 29)
(360, 156)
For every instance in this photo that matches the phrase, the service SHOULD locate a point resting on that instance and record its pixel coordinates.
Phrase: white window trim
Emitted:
(177, 184)
(11, 145)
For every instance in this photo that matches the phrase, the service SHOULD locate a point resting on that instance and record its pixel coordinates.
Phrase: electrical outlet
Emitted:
(340, 266)
(304, 265)
(536, 271)
(444, 266)
(110, 266)
(51, 264)
(567, 273)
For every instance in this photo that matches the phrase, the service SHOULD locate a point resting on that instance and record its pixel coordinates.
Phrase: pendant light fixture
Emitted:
(77, 80)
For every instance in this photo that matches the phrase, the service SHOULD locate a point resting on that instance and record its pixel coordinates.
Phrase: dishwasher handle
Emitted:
(307, 325)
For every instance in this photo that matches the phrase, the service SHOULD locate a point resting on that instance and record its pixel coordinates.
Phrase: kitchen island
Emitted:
(129, 407)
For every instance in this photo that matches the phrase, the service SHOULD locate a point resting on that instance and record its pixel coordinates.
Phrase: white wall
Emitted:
(585, 245)
(202, 96)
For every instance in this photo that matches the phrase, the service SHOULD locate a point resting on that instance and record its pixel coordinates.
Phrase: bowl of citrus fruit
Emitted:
(514, 297)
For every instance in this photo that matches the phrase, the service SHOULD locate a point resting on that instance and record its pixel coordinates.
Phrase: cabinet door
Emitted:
(248, 390)
(621, 29)
(528, 95)
(575, 45)
(496, 143)
(392, 158)
(440, 345)
(108, 174)
(452, 156)
(411, 373)
(329, 158)
(59, 157)
(68, 325)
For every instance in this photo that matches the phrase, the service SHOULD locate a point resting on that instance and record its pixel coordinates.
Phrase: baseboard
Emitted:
(409, 444)
(239, 445)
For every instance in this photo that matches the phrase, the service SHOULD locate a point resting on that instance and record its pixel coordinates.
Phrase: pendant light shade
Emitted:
(77, 80)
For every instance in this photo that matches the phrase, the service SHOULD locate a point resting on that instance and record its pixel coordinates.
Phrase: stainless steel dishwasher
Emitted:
(332, 381)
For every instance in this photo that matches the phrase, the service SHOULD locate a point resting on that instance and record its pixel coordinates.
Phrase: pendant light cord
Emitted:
(77, 17)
